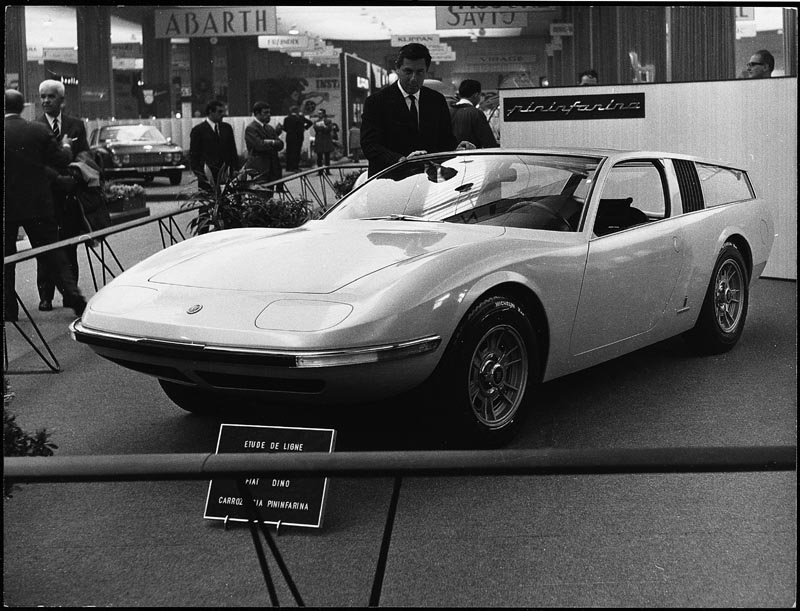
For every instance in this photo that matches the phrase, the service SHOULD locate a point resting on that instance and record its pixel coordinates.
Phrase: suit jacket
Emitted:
(388, 131)
(262, 156)
(206, 149)
(295, 127)
(74, 128)
(33, 158)
(469, 123)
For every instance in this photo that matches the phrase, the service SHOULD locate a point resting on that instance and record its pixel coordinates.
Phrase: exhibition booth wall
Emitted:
(744, 123)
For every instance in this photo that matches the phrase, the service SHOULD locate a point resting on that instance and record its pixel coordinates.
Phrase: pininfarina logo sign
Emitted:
(574, 107)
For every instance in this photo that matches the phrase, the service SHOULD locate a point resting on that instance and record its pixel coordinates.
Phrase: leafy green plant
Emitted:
(17, 442)
(235, 200)
(345, 185)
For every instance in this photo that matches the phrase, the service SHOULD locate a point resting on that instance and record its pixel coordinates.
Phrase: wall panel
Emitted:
(747, 123)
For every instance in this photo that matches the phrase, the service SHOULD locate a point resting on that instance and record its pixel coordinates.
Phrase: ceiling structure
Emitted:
(54, 26)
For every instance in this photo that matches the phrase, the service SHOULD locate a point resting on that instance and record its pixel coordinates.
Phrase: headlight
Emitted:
(115, 158)
(126, 159)
(168, 157)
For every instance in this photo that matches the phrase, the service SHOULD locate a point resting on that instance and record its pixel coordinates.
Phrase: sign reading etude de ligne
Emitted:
(278, 499)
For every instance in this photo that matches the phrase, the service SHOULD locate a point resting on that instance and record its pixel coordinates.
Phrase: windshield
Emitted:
(514, 190)
(131, 133)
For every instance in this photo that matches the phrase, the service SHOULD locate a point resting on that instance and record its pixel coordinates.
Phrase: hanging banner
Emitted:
(285, 43)
(214, 21)
(466, 17)
(402, 40)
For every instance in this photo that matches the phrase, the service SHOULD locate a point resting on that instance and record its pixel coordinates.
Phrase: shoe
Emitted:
(77, 303)
(45, 305)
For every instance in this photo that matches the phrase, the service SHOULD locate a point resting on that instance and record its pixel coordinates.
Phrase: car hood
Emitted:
(319, 257)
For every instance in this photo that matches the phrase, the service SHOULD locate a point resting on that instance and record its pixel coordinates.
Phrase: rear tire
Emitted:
(488, 372)
(722, 315)
(193, 399)
(175, 178)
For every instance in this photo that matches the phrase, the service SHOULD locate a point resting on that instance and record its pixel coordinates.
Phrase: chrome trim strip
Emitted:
(302, 359)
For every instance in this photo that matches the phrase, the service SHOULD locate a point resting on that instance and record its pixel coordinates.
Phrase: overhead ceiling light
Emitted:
(294, 31)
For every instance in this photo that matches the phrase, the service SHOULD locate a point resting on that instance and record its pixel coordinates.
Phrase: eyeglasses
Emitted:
(751, 64)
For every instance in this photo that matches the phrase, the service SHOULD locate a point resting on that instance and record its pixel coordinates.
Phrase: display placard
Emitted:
(297, 501)
(574, 107)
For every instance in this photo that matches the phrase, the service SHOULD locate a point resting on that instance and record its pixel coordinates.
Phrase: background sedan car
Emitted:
(126, 151)
(474, 276)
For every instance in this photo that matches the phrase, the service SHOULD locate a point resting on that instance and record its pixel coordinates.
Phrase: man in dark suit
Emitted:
(295, 126)
(263, 145)
(33, 158)
(211, 143)
(405, 119)
(72, 131)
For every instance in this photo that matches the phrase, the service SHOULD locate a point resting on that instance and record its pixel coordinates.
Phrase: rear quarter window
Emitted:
(723, 185)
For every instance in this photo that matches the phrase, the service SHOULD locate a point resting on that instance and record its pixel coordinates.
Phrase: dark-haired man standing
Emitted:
(405, 119)
(211, 143)
(469, 122)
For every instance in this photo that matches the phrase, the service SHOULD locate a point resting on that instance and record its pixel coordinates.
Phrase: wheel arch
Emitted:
(742, 244)
(533, 308)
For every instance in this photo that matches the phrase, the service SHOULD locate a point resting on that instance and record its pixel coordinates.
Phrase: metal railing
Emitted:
(315, 185)
(171, 467)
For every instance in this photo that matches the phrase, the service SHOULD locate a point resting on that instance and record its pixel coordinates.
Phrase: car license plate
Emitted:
(151, 168)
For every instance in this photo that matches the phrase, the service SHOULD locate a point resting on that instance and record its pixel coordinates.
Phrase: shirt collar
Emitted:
(211, 123)
(51, 119)
(464, 102)
(406, 94)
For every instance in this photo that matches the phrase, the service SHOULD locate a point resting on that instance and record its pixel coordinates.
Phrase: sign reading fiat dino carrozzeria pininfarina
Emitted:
(574, 107)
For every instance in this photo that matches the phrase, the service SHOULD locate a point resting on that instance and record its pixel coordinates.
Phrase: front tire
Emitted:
(488, 371)
(722, 315)
(175, 178)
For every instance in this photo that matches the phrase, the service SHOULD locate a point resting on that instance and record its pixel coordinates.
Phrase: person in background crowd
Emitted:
(32, 159)
(211, 143)
(72, 131)
(469, 122)
(295, 126)
(354, 139)
(588, 77)
(761, 64)
(263, 145)
(323, 139)
(405, 118)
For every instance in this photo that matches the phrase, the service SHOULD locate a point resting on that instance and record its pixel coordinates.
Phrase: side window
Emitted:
(93, 139)
(723, 185)
(633, 194)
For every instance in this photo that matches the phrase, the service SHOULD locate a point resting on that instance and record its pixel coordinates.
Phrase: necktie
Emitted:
(413, 111)
(55, 128)
(216, 129)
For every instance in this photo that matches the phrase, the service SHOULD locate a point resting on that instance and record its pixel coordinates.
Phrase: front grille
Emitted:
(241, 382)
(147, 159)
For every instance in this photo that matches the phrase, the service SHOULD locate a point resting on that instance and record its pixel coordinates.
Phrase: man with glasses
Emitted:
(761, 65)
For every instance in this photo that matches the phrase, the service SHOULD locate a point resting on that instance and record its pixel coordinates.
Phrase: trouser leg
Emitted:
(10, 307)
(45, 231)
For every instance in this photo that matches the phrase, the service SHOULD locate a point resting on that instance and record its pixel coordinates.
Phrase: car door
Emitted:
(634, 260)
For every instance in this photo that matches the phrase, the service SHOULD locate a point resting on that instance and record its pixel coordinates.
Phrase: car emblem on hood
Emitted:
(194, 309)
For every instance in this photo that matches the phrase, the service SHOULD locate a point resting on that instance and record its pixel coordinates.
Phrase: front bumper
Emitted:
(354, 373)
(155, 170)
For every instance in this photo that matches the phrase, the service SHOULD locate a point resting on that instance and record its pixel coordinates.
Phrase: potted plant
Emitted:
(121, 197)
(234, 201)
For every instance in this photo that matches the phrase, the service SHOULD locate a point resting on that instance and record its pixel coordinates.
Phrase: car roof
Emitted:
(613, 155)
